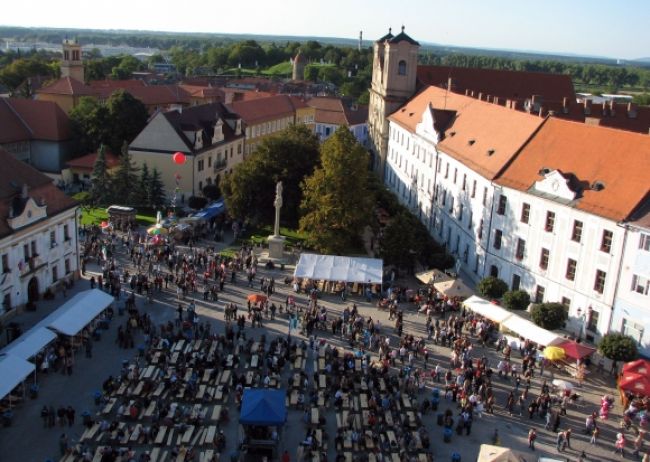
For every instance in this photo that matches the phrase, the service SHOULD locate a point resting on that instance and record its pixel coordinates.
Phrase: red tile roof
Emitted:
(87, 162)
(482, 135)
(263, 109)
(620, 160)
(105, 88)
(160, 95)
(27, 119)
(40, 187)
(67, 86)
(338, 111)
(517, 85)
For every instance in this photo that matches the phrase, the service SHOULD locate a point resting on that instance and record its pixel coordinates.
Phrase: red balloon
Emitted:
(179, 158)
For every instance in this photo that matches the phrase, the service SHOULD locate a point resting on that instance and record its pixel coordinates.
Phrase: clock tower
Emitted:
(394, 70)
(71, 64)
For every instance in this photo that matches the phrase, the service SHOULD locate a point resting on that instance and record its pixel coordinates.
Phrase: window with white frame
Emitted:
(632, 329)
(644, 242)
(640, 284)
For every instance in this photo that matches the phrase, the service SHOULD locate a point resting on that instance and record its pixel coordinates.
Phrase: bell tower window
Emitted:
(401, 67)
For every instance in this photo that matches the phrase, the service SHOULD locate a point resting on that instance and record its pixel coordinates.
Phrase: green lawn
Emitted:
(260, 234)
(97, 215)
(281, 69)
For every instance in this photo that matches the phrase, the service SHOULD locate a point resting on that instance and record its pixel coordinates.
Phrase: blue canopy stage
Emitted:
(261, 406)
(211, 211)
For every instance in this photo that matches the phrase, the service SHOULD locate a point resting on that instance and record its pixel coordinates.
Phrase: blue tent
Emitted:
(211, 211)
(261, 406)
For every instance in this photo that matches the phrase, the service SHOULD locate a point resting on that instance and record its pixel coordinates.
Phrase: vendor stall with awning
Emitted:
(488, 310)
(30, 343)
(13, 371)
(80, 311)
(531, 331)
(337, 268)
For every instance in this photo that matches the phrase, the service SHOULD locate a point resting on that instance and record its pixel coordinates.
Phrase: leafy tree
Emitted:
(90, 124)
(550, 316)
(156, 192)
(492, 287)
(288, 156)
(516, 299)
(143, 187)
(618, 347)
(311, 73)
(100, 191)
(336, 200)
(15, 73)
(128, 116)
(197, 202)
(211, 192)
(125, 179)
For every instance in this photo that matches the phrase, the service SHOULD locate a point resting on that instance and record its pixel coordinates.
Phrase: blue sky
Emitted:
(598, 27)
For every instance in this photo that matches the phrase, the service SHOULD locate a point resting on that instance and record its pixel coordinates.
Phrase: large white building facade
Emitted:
(547, 205)
(38, 235)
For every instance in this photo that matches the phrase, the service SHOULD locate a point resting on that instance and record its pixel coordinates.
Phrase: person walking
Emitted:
(45, 416)
(559, 441)
(638, 444)
(567, 437)
(619, 444)
(556, 422)
(532, 436)
(594, 436)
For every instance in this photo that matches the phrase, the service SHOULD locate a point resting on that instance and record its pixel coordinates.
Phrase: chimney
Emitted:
(604, 108)
(565, 105)
(513, 104)
(488, 98)
(541, 111)
(466, 91)
(480, 96)
(508, 103)
(631, 110)
(450, 83)
(496, 100)
(612, 108)
(472, 93)
(587, 108)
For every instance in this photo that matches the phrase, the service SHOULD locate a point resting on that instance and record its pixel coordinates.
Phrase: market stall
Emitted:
(337, 268)
(454, 288)
(488, 310)
(263, 414)
(30, 343)
(13, 371)
(80, 311)
(531, 331)
(433, 276)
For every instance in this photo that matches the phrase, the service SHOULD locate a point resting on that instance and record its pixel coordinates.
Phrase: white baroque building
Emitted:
(548, 205)
(38, 234)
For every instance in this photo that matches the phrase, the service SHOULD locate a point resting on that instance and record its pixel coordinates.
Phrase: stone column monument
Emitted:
(276, 242)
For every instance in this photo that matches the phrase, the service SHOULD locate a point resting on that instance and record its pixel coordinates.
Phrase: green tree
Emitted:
(127, 116)
(311, 73)
(125, 179)
(337, 202)
(516, 299)
(618, 347)
(288, 156)
(156, 193)
(550, 316)
(143, 199)
(492, 287)
(90, 122)
(100, 190)
(211, 192)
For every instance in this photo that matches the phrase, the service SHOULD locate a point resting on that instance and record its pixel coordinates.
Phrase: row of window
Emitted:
(31, 249)
(549, 224)
(200, 165)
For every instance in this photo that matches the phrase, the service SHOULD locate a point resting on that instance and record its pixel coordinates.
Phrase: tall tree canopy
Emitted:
(125, 180)
(288, 156)
(100, 190)
(337, 201)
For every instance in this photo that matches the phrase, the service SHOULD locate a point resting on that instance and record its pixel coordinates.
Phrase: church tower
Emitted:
(394, 69)
(299, 64)
(71, 64)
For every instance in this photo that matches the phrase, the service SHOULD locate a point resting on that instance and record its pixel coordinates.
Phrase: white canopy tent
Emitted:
(13, 371)
(486, 309)
(30, 343)
(531, 331)
(335, 268)
(81, 310)
(434, 275)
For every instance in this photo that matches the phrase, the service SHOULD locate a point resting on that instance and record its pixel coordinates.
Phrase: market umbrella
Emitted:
(156, 230)
(640, 366)
(256, 298)
(563, 384)
(576, 350)
(554, 353)
(635, 383)
(105, 224)
(491, 453)
(454, 288)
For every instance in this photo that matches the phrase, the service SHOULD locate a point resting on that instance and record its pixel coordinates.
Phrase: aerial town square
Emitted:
(286, 239)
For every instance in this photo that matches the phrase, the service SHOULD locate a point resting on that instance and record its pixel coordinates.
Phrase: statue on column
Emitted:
(278, 205)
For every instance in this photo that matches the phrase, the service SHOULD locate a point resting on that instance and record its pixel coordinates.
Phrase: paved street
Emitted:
(27, 440)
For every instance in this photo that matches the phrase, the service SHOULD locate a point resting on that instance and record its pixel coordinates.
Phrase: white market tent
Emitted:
(13, 371)
(335, 268)
(30, 343)
(454, 288)
(486, 309)
(531, 331)
(431, 276)
(80, 310)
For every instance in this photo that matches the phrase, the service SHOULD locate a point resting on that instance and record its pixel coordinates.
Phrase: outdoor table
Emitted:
(389, 418)
(406, 402)
(207, 456)
(160, 437)
(364, 401)
(98, 454)
(391, 436)
(181, 455)
(138, 388)
(322, 381)
(206, 375)
(89, 433)
(155, 452)
(321, 365)
(255, 347)
(411, 417)
(210, 434)
(225, 377)
(178, 346)
(218, 395)
(370, 444)
(254, 361)
(136, 433)
(216, 412)
(372, 457)
(150, 409)
(418, 441)
(109, 406)
(123, 386)
(382, 385)
(196, 346)
(250, 376)
(174, 358)
(159, 390)
(423, 458)
(293, 399)
(314, 416)
(295, 380)
(321, 353)
(395, 457)
(200, 392)
(188, 435)
(229, 361)
(321, 398)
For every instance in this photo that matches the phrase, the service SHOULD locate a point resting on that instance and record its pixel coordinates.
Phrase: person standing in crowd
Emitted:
(532, 436)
